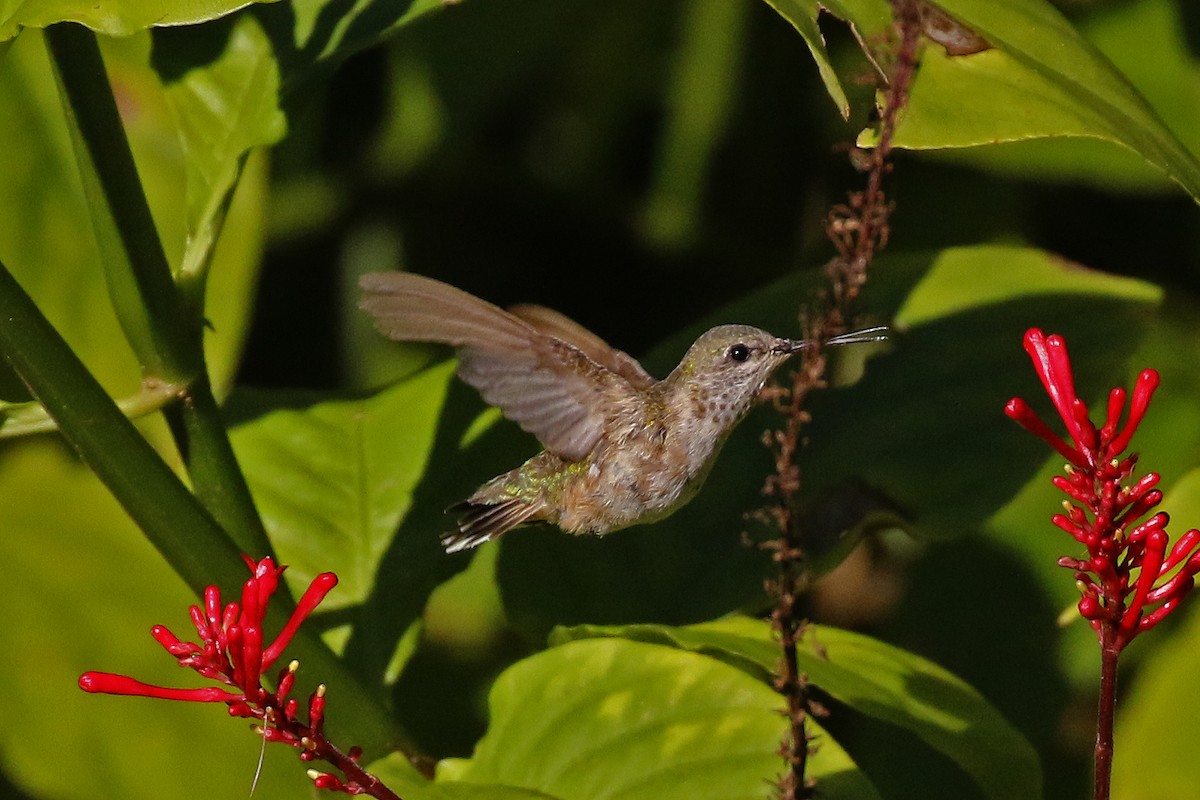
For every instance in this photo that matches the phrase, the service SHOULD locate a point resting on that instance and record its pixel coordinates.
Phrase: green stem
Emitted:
(135, 266)
(219, 482)
(24, 419)
(165, 332)
(187, 535)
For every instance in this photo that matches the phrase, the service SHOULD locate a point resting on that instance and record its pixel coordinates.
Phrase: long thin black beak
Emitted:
(785, 346)
(877, 334)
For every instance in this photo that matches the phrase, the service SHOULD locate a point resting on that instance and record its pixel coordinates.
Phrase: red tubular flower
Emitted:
(1131, 578)
(231, 650)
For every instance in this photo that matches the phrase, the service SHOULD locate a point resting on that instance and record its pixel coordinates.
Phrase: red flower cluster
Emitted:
(231, 651)
(1131, 579)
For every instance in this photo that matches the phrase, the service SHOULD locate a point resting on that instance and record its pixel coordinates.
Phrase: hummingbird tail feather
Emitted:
(482, 522)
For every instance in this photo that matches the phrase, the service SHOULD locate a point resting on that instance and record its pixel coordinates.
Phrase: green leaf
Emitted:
(333, 480)
(1040, 80)
(111, 17)
(613, 718)
(868, 19)
(223, 110)
(309, 37)
(945, 383)
(402, 778)
(875, 679)
(971, 277)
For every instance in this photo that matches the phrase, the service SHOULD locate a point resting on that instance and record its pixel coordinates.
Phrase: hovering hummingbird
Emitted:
(621, 448)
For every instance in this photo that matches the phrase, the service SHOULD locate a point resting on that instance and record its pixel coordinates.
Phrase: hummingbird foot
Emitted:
(483, 522)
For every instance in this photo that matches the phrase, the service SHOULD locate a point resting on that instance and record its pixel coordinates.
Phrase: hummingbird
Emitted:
(621, 448)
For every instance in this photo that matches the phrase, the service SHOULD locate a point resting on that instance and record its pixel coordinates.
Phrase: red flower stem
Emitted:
(1110, 649)
(372, 786)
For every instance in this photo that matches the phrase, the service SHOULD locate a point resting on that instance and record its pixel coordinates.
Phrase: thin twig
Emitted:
(858, 229)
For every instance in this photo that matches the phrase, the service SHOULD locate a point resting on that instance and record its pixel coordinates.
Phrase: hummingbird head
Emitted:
(728, 365)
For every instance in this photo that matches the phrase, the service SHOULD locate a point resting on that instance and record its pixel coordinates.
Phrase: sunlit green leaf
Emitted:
(875, 679)
(402, 778)
(334, 479)
(223, 110)
(1041, 79)
(868, 19)
(614, 718)
(112, 17)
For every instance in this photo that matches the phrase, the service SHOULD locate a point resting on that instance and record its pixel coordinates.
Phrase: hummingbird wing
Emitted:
(568, 330)
(548, 386)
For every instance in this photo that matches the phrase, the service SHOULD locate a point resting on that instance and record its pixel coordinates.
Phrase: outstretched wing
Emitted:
(548, 386)
(568, 330)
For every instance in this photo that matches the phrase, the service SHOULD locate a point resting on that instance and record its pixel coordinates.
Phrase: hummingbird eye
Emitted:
(739, 352)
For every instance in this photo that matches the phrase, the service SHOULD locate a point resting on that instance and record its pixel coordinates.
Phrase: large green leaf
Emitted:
(333, 480)
(1041, 79)
(111, 17)
(873, 678)
(944, 386)
(620, 719)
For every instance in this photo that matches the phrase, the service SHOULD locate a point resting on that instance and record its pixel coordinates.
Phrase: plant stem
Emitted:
(165, 332)
(171, 518)
(790, 683)
(371, 785)
(135, 266)
(1106, 712)
(218, 480)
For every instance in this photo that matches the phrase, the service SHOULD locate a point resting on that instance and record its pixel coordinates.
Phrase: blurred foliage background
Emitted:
(638, 165)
